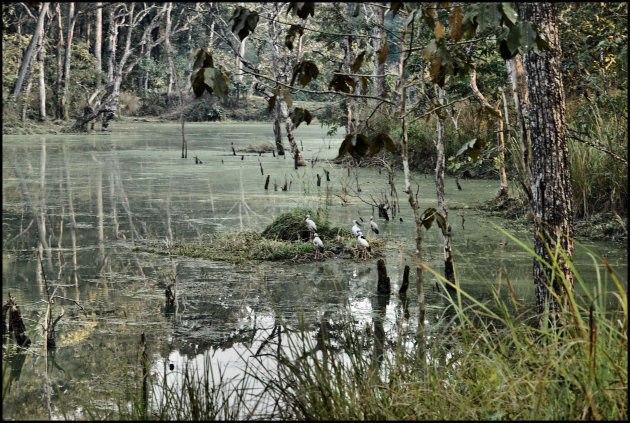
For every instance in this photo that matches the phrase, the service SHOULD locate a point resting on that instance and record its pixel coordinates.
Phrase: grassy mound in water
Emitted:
(291, 226)
(285, 239)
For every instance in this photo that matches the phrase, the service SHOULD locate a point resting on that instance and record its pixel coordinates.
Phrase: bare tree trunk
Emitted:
(112, 38)
(68, 56)
(503, 192)
(27, 92)
(26, 60)
(552, 190)
(412, 199)
(348, 59)
(379, 68)
(42, 80)
(169, 52)
(449, 271)
(98, 38)
(60, 44)
(518, 84)
(239, 63)
(279, 75)
(277, 131)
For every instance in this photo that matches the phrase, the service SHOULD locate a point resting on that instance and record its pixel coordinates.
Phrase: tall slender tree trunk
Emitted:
(27, 91)
(377, 43)
(449, 271)
(98, 38)
(169, 52)
(42, 79)
(407, 175)
(348, 60)
(551, 189)
(68, 59)
(26, 60)
(60, 44)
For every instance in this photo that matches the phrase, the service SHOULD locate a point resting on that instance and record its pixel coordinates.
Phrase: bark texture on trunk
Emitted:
(277, 130)
(379, 68)
(551, 187)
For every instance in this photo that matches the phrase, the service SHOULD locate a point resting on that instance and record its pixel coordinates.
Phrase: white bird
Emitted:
(356, 229)
(373, 225)
(364, 244)
(312, 227)
(319, 245)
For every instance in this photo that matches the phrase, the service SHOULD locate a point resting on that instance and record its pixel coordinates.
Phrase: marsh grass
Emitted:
(481, 361)
(485, 361)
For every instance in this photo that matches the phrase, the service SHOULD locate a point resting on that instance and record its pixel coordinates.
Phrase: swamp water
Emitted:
(131, 186)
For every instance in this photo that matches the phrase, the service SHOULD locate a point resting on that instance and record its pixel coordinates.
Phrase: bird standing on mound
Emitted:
(364, 244)
(312, 227)
(319, 245)
(373, 225)
(356, 228)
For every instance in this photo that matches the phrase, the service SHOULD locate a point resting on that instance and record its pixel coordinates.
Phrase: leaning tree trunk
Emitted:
(551, 189)
(26, 60)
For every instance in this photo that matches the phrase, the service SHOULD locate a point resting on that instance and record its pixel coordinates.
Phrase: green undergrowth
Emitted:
(285, 239)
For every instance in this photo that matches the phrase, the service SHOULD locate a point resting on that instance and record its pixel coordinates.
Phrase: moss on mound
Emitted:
(285, 239)
(291, 226)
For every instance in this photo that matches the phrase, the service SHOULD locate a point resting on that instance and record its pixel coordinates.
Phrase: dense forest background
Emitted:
(123, 60)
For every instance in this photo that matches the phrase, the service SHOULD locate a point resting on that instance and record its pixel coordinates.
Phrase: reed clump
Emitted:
(482, 361)
(485, 361)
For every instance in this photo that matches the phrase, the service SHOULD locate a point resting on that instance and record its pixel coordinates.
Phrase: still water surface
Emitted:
(131, 186)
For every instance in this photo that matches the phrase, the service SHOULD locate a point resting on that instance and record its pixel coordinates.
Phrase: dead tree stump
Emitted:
(383, 286)
(405, 282)
(16, 324)
(5, 310)
(170, 297)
